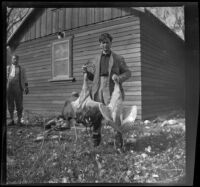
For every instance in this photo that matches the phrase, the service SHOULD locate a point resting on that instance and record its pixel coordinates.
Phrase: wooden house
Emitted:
(154, 54)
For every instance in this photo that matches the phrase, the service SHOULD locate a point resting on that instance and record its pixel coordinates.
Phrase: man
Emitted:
(16, 85)
(107, 66)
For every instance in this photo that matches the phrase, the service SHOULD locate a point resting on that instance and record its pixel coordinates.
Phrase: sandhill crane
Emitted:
(116, 113)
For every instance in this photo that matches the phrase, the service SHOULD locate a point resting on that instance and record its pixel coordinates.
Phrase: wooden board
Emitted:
(52, 20)
(162, 72)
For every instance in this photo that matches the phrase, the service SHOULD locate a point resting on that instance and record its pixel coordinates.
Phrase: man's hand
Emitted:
(26, 90)
(84, 68)
(116, 78)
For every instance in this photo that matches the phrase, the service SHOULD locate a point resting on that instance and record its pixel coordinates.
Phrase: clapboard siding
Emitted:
(52, 20)
(125, 43)
(43, 23)
(128, 36)
(107, 13)
(116, 12)
(38, 26)
(132, 62)
(99, 13)
(49, 22)
(33, 32)
(162, 69)
(113, 26)
(35, 56)
(134, 40)
(75, 17)
(82, 17)
(162, 55)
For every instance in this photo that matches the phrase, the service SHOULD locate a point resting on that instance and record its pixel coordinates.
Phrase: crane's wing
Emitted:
(106, 112)
(129, 114)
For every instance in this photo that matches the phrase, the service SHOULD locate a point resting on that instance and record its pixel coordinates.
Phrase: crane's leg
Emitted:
(118, 136)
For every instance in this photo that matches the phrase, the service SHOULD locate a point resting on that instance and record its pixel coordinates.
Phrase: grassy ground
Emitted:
(153, 153)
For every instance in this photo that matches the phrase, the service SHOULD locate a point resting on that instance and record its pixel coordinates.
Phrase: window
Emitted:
(62, 59)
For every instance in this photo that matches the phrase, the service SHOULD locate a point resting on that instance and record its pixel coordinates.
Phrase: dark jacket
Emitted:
(22, 78)
(117, 66)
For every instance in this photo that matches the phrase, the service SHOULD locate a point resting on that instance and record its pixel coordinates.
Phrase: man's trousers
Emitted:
(15, 98)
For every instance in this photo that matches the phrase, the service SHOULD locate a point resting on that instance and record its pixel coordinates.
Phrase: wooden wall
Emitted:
(35, 56)
(51, 20)
(162, 68)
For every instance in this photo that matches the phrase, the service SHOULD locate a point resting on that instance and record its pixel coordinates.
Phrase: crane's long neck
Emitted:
(83, 94)
(116, 98)
(85, 89)
(85, 82)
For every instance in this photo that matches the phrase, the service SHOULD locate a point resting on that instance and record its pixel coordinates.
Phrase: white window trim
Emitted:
(53, 59)
(68, 77)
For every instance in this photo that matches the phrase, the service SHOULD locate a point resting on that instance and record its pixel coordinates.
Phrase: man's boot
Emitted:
(119, 141)
(19, 117)
(12, 120)
(96, 135)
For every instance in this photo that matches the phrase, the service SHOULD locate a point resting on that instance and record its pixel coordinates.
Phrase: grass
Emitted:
(154, 155)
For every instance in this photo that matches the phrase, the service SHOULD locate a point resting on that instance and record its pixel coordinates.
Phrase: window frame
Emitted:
(68, 40)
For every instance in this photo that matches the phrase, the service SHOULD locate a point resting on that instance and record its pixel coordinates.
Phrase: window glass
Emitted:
(61, 50)
(60, 66)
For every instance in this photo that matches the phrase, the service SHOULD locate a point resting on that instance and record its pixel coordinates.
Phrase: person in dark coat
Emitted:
(16, 84)
(106, 66)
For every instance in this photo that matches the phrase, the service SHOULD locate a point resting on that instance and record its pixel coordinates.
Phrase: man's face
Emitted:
(105, 45)
(14, 60)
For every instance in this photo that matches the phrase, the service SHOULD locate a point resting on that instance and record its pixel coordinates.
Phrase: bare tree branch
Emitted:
(14, 17)
(14, 23)
(9, 12)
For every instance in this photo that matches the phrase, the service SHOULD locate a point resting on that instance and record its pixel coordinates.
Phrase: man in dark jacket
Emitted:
(106, 67)
(16, 85)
